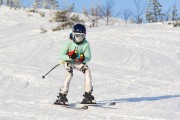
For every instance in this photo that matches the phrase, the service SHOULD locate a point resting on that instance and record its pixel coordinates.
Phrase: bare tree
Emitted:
(93, 15)
(126, 14)
(65, 6)
(8, 2)
(174, 14)
(71, 7)
(107, 11)
(167, 15)
(140, 9)
(11, 3)
(15, 3)
(37, 4)
(54, 4)
(47, 4)
(85, 11)
(1, 2)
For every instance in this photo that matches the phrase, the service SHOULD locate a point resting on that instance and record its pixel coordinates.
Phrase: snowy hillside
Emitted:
(137, 66)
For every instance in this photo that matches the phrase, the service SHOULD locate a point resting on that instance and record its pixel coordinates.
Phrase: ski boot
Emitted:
(62, 100)
(88, 99)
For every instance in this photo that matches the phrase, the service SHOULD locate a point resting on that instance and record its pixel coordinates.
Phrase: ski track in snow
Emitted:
(136, 66)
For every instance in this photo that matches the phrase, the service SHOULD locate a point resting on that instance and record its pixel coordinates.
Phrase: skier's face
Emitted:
(79, 37)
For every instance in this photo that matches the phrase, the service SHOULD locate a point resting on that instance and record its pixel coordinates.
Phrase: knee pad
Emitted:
(84, 68)
(68, 67)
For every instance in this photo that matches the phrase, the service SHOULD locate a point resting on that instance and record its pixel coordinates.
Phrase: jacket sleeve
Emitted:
(64, 52)
(87, 54)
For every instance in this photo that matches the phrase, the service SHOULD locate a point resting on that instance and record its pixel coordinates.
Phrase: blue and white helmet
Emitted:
(78, 33)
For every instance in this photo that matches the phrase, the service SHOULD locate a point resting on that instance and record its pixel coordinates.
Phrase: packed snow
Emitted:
(136, 66)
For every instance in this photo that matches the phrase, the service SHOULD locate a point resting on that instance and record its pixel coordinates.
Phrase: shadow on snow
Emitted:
(144, 99)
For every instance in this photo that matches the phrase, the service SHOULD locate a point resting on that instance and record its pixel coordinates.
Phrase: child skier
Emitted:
(76, 53)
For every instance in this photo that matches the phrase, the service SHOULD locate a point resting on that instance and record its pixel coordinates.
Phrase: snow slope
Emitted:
(137, 66)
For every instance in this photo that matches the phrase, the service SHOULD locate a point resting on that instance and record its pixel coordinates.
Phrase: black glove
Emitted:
(73, 54)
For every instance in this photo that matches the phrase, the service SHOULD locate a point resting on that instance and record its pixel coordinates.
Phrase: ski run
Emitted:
(136, 66)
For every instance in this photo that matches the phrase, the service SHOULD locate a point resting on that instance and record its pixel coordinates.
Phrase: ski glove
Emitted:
(73, 54)
(80, 58)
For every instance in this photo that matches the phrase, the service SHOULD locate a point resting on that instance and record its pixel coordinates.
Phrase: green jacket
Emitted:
(70, 45)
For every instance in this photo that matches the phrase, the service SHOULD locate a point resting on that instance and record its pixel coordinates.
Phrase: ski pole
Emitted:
(52, 69)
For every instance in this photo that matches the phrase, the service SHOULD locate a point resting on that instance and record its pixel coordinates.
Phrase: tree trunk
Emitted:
(1, 2)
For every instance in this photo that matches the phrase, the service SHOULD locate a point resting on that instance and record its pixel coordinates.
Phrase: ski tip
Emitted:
(85, 107)
(77, 108)
(113, 103)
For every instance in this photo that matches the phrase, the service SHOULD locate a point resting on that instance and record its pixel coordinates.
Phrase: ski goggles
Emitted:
(79, 35)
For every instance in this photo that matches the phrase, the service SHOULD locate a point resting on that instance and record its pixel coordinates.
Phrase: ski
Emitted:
(103, 105)
(79, 106)
(73, 106)
(84, 107)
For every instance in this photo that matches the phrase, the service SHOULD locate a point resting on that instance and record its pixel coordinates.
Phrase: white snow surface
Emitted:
(137, 66)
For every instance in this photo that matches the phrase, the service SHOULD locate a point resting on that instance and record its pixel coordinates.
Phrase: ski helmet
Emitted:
(78, 33)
